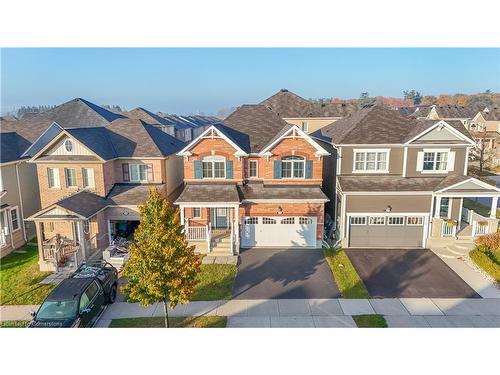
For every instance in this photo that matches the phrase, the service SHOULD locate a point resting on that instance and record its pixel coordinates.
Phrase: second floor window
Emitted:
(88, 177)
(14, 216)
(371, 161)
(292, 167)
(138, 172)
(70, 174)
(53, 177)
(253, 168)
(435, 161)
(213, 167)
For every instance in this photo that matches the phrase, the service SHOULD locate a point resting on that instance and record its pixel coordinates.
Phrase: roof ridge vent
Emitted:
(284, 90)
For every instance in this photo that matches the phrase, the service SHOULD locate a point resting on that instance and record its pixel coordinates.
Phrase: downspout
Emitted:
(20, 201)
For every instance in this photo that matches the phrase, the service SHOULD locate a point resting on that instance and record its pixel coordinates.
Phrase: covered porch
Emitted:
(456, 217)
(209, 213)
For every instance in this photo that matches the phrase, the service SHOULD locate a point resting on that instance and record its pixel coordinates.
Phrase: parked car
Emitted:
(79, 300)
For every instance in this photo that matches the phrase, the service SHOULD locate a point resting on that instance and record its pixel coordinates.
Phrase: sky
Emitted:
(205, 80)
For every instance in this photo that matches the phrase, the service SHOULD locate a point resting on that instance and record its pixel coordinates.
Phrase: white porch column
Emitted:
(181, 209)
(83, 242)
(39, 240)
(237, 229)
(494, 204)
(437, 208)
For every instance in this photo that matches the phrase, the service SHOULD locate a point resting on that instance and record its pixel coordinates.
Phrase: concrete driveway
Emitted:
(393, 273)
(266, 273)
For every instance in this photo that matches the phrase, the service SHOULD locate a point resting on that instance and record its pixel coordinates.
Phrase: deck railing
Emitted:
(197, 233)
(448, 230)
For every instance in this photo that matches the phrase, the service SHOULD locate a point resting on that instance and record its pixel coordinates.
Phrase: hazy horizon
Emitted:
(194, 80)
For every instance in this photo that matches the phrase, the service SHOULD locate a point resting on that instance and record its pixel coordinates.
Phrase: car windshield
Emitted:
(57, 310)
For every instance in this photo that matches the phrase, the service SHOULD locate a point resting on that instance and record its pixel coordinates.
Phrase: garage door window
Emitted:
(377, 220)
(288, 220)
(251, 220)
(305, 220)
(414, 220)
(358, 220)
(396, 220)
(268, 220)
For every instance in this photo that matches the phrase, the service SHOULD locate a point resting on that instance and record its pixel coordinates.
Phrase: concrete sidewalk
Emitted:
(399, 312)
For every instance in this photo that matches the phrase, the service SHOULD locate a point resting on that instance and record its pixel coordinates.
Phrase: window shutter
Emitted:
(451, 161)
(197, 169)
(150, 172)
(126, 173)
(229, 169)
(420, 161)
(309, 169)
(277, 169)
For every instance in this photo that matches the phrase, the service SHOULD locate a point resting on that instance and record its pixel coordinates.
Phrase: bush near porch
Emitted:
(20, 278)
(486, 254)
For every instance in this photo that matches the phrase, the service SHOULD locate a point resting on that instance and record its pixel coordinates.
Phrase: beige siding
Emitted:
(395, 160)
(59, 149)
(378, 203)
(312, 124)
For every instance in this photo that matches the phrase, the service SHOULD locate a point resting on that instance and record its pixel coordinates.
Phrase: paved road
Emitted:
(284, 273)
(392, 273)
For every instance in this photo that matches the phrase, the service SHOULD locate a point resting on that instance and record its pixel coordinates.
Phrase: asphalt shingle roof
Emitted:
(253, 191)
(209, 192)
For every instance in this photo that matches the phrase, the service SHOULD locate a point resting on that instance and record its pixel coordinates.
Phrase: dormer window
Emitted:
(292, 167)
(214, 167)
(68, 145)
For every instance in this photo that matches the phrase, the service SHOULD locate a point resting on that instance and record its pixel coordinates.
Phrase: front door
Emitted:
(220, 219)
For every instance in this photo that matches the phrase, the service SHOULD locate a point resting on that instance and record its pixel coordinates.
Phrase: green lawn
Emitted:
(487, 260)
(481, 209)
(215, 282)
(14, 323)
(370, 321)
(20, 277)
(348, 280)
(175, 322)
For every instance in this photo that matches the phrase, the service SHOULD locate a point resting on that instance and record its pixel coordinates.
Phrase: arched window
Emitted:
(214, 167)
(292, 167)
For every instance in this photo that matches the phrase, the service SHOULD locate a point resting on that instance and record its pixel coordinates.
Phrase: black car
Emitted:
(79, 300)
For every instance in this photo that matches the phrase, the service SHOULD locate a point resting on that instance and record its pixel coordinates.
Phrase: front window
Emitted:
(88, 177)
(253, 168)
(70, 174)
(57, 310)
(68, 145)
(292, 167)
(53, 176)
(196, 212)
(14, 215)
(138, 172)
(370, 161)
(214, 167)
(444, 209)
(435, 161)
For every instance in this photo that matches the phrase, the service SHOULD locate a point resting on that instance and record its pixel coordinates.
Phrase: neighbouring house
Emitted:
(307, 115)
(448, 112)
(188, 127)
(485, 126)
(91, 182)
(153, 119)
(401, 182)
(252, 181)
(18, 179)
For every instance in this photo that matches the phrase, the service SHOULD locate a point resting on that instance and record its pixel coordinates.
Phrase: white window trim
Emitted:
(138, 172)
(193, 211)
(66, 179)
(377, 216)
(256, 168)
(357, 217)
(57, 179)
(15, 208)
(71, 143)
(421, 218)
(435, 151)
(90, 178)
(304, 125)
(366, 150)
(213, 160)
(396, 225)
(303, 161)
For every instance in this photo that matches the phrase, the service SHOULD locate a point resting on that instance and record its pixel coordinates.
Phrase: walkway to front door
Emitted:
(269, 273)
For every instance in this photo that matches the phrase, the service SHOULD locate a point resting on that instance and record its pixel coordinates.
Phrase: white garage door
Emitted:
(292, 231)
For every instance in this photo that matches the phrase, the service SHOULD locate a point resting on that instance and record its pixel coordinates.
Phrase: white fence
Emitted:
(448, 230)
(197, 233)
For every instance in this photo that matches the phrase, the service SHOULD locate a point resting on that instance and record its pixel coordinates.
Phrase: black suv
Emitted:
(79, 300)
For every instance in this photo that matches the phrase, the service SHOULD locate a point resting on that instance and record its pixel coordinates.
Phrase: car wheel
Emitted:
(112, 294)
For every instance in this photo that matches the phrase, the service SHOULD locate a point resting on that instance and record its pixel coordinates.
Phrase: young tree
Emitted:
(481, 149)
(413, 95)
(162, 266)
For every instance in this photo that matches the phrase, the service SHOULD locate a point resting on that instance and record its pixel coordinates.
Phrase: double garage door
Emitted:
(386, 231)
(267, 231)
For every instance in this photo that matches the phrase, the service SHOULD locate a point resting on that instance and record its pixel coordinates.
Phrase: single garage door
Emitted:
(295, 231)
(386, 231)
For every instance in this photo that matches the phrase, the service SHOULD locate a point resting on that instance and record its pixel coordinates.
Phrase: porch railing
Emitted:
(197, 233)
(448, 230)
(480, 225)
